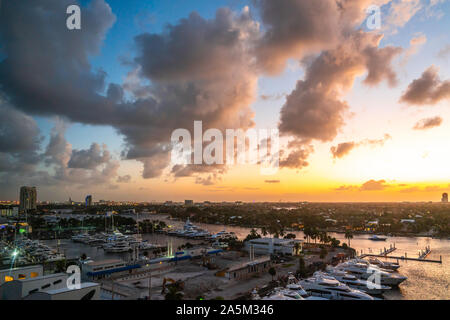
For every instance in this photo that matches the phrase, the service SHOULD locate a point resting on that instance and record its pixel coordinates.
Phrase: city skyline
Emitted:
(361, 112)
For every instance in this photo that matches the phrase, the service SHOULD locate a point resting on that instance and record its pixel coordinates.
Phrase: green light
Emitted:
(15, 253)
(21, 230)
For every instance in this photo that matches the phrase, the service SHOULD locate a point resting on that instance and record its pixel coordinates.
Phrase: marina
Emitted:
(141, 262)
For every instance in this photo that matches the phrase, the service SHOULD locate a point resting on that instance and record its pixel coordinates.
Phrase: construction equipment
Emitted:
(178, 284)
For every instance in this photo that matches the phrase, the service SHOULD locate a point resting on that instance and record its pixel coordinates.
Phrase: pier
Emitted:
(402, 258)
(383, 253)
(423, 254)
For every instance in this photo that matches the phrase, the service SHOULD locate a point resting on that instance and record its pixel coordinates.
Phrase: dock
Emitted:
(402, 258)
(384, 254)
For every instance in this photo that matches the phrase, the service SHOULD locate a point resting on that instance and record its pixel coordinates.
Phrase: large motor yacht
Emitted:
(352, 281)
(366, 271)
(384, 264)
(332, 289)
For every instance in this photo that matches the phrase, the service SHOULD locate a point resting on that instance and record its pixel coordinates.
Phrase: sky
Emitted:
(361, 112)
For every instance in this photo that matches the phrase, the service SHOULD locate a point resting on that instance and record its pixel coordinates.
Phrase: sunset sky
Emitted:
(362, 114)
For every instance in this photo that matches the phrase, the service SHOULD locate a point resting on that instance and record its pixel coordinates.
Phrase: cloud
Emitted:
(199, 69)
(295, 28)
(278, 96)
(373, 185)
(342, 149)
(414, 45)
(90, 158)
(401, 12)
(315, 110)
(20, 141)
(297, 156)
(272, 181)
(428, 89)
(346, 188)
(428, 123)
(34, 46)
(194, 69)
(444, 52)
(124, 179)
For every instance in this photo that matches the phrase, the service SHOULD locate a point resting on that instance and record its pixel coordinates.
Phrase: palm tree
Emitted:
(264, 231)
(301, 267)
(272, 272)
(348, 236)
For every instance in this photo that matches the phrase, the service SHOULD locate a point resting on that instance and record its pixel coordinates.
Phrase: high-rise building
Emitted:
(188, 202)
(88, 200)
(444, 197)
(28, 197)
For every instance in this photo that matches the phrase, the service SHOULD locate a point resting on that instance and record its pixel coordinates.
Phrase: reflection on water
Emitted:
(426, 280)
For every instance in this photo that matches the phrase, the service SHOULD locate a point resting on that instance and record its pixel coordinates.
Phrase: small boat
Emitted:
(377, 238)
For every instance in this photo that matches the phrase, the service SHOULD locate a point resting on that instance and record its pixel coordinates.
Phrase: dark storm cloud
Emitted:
(428, 123)
(18, 132)
(46, 70)
(19, 141)
(195, 69)
(428, 89)
(199, 69)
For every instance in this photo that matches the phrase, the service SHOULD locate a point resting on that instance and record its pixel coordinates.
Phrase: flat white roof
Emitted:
(65, 289)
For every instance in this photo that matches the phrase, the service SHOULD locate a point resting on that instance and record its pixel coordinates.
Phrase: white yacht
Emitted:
(295, 287)
(223, 235)
(384, 264)
(368, 264)
(377, 238)
(279, 296)
(332, 289)
(353, 282)
(81, 237)
(117, 247)
(364, 271)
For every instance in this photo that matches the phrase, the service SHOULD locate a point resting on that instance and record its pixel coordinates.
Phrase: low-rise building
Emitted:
(267, 246)
(105, 268)
(18, 289)
(21, 273)
(86, 291)
(248, 269)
